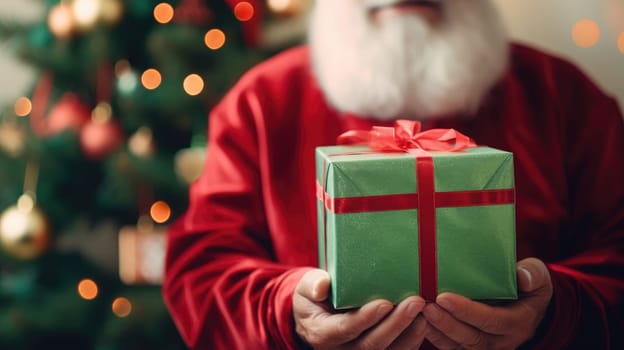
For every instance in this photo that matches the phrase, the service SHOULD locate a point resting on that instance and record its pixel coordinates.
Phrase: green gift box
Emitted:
(391, 225)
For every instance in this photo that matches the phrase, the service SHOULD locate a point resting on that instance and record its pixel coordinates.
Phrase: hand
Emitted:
(457, 322)
(376, 325)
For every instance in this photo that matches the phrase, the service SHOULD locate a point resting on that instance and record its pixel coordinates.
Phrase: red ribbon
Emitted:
(406, 136)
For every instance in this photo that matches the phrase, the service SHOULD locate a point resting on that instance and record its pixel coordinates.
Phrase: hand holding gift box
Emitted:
(415, 213)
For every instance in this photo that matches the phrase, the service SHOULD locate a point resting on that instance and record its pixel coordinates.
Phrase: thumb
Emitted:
(532, 275)
(314, 285)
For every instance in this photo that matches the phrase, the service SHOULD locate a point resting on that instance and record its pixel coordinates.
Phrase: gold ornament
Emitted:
(61, 21)
(102, 135)
(24, 230)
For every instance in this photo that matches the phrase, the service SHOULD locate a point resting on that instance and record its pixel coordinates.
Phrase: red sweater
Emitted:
(234, 258)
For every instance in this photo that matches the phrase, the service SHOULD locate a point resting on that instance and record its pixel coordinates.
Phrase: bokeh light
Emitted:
(214, 39)
(285, 7)
(160, 212)
(151, 79)
(193, 84)
(621, 43)
(163, 13)
(22, 107)
(121, 307)
(243, 11)
(102, 113)
(61, 21)
(86, 12)
(87, 289)
(128, 82)
(586, 33)
(141, 143)
(278, 5)
(122, 67)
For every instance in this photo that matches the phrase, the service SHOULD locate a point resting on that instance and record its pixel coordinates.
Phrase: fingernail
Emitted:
(383, 310)
(412, 310)
(315, 291)
(432, 313)
(527, 274)
(447, 305)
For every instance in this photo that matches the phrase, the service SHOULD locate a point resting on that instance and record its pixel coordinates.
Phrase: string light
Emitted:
(243, 11)
(163, 13)
(585, 33)
(121, 307)
(87, 289)
(151, 79)
(193, 84)
(22, 107)
(160, 212)
(214, 39)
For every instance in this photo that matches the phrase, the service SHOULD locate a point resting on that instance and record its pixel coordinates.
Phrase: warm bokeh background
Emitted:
(597, 44)
(102, 129)
(547, 24)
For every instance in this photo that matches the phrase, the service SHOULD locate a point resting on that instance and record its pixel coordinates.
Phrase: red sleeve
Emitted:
(223, 287)
(588, 303)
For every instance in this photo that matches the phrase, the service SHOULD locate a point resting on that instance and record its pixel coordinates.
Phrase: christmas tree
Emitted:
(96, 159)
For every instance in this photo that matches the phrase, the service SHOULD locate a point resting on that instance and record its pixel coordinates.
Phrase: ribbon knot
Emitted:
(406, 136)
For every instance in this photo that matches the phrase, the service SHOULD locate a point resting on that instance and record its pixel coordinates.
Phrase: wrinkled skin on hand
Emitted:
(456, 322)
(376, 325)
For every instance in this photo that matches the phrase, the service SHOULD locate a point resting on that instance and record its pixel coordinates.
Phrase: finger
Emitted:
(314, 285)
(412, 337)
(535, 288)
(458, 331)
(438, 339)
(381, 336)
(334, 329)
(532, 275)
(489, 319)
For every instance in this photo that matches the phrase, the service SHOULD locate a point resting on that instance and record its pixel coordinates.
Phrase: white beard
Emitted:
(405, 67)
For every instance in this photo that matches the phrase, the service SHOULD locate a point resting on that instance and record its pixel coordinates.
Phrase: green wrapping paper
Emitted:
(373, 252)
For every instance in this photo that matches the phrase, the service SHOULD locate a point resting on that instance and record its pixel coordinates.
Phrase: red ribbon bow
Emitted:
(406, 136)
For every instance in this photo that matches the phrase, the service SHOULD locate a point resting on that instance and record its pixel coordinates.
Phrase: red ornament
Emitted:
(69, 113)
(99, 138)
(193, 12)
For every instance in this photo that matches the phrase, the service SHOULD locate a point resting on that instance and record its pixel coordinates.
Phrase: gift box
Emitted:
(416, 222)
